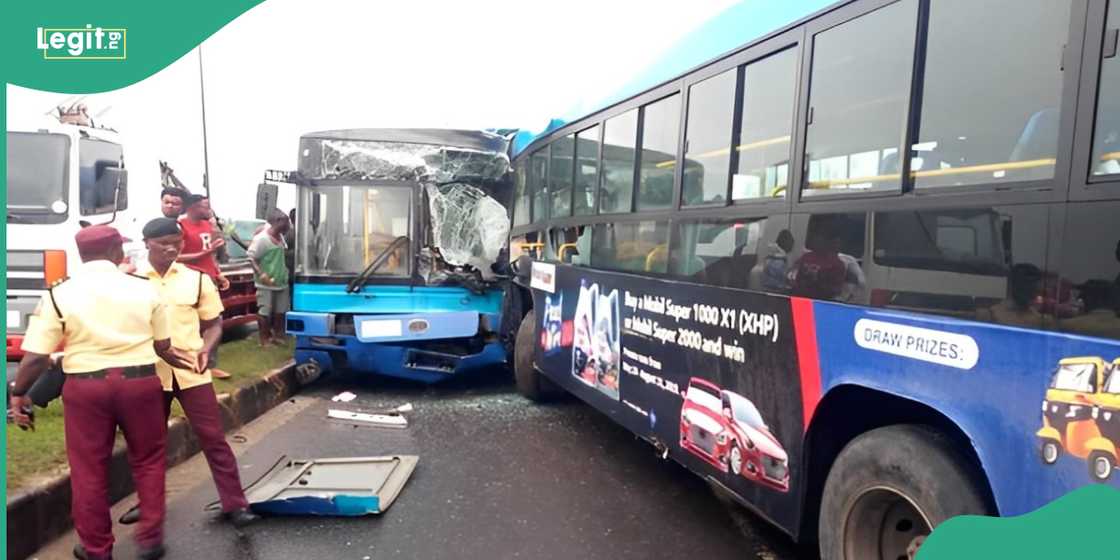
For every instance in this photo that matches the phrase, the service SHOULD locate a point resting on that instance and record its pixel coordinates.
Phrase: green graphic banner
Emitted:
(90, 47)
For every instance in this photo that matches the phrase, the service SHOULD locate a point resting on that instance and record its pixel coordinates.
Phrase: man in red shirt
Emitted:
(201, 242)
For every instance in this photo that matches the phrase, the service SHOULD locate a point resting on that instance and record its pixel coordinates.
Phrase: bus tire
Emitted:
(889, 488)
(530, 383)
(1100, 466)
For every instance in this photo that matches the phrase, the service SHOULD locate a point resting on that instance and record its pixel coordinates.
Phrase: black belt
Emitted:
(131, 372)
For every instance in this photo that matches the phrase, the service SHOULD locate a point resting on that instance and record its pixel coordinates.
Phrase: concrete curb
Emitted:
(38, 515)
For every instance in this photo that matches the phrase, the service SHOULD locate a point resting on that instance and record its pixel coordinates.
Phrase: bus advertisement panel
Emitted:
(728, 381)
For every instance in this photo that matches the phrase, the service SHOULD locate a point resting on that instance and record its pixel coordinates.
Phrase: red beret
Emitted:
(98, 239)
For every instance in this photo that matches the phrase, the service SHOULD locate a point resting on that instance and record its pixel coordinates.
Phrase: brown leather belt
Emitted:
(131, 372)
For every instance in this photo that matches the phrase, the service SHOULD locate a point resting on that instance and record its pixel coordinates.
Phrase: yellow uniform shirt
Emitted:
(106, 319)
(190, 298)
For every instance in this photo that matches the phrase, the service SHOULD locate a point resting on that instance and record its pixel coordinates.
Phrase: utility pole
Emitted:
(205, 151)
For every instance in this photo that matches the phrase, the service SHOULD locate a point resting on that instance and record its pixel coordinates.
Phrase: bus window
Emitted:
(985, 263)
(830, 264)
(769, 88)
(560, 176)
(619, 140)
(990, 109)
(1090, 271)
(521, 194)
(1106, 140)
(720, 253)
(660, 131)
(711, 108)
(858, 101)
(572, 245)
(633, 246)
(538, 175)
(587, 170)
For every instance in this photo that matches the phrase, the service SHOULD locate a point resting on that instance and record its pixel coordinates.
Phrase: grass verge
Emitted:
(40, 455)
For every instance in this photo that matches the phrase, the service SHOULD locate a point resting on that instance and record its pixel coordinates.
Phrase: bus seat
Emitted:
(1039, 139)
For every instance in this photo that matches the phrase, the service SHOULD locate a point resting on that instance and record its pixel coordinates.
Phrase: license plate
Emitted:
(379, 328)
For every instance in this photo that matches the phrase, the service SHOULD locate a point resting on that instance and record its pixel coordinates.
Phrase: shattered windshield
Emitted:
(468, 226)
(466, 192)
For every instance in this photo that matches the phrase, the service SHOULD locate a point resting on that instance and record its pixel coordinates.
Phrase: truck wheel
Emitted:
(1050, 451)
(1100, 466)
(531, 384)
(888, 489)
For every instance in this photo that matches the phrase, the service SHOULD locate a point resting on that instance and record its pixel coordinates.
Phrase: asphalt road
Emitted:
(498, 478)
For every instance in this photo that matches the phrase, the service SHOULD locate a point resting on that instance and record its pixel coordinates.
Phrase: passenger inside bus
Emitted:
(820, 273)
(1100, 300)
(1024, 288)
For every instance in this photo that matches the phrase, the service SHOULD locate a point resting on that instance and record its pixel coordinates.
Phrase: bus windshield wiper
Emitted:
(356, 284)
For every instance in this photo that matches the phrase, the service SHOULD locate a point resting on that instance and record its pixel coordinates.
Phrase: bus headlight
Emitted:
(1096, 412)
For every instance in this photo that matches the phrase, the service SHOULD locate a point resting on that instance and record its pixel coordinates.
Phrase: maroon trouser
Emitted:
(201, 406)
(93, 410)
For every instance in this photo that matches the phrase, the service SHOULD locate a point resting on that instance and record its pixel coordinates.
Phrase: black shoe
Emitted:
(131, 516)
(154, 553)
(240, 517)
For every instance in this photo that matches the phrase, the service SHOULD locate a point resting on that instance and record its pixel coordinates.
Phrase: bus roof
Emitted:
(471, 139)
(744, 23)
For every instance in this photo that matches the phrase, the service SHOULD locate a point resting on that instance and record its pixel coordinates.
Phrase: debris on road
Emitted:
(382, 420)
(351, 486)
(345, 396)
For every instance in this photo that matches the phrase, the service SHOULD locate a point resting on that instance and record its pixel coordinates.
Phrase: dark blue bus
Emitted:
(861, 273)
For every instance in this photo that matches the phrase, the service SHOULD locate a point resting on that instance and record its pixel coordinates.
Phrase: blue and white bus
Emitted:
(400, 245)
(861, 273)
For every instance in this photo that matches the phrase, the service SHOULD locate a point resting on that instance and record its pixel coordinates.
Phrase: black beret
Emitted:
(160, 227)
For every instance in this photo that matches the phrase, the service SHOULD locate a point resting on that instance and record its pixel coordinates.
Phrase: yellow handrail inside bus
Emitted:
(560, 250)
(725, 151)
(989, 167)
(661, 252)
(1110, 156)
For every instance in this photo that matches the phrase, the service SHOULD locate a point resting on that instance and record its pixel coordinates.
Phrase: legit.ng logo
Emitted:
(88, 43)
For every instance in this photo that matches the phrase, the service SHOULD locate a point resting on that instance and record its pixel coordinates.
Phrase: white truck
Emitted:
(60, 177)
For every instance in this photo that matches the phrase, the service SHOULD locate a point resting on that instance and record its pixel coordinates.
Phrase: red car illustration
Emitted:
(726, 430)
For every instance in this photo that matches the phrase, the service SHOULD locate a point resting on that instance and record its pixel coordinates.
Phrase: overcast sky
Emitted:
(289, 67)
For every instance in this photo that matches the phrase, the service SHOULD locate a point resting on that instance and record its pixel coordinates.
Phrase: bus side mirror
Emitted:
(267, 193)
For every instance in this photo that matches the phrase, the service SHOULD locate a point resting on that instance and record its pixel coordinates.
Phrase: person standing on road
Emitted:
(115, 328)
(200, 243)
(266, 253)
(195, 311)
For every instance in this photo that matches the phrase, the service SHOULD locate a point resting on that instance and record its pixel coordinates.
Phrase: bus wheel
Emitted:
(888, 489)
(1050, 451)
(1100, 466)
(531, 384)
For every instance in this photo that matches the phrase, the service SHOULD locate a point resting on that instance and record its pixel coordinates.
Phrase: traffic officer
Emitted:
(115, 328)
(195, 310)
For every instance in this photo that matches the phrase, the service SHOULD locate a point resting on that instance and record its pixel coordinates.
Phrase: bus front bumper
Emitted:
(455, 343)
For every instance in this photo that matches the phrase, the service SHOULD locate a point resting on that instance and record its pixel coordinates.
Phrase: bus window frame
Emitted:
(1046, 190)
(598, 182)
(793, 39)
(1083, 185)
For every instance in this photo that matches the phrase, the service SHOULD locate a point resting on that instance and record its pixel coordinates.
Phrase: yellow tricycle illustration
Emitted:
(1081, 414)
